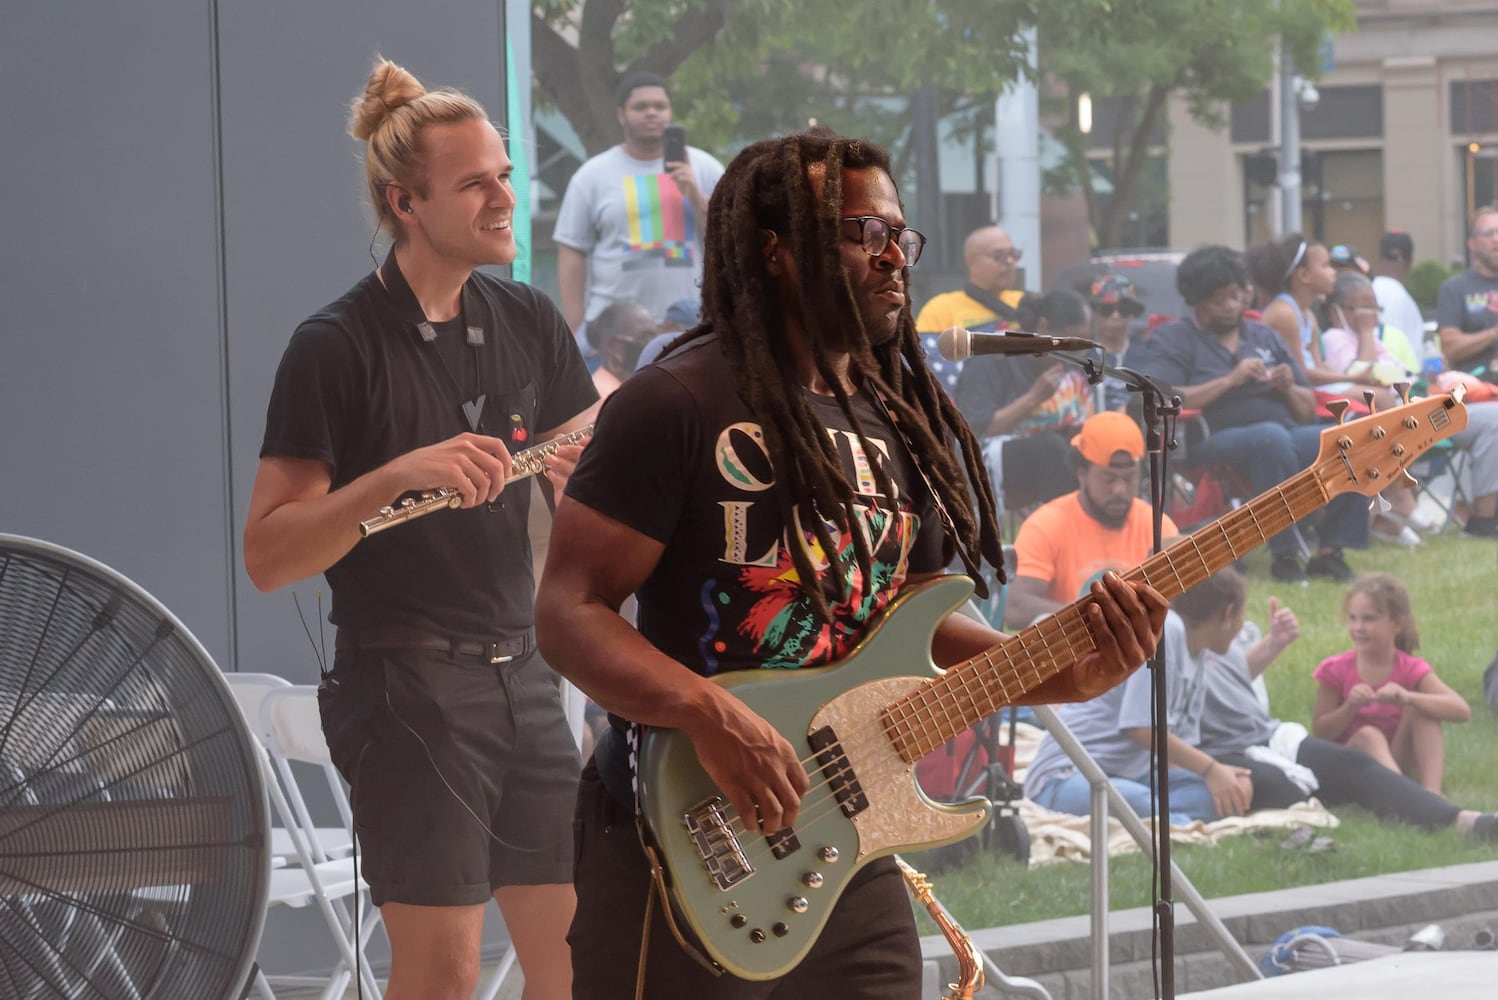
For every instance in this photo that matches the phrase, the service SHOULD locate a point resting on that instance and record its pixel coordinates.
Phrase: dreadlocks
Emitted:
(769, 186)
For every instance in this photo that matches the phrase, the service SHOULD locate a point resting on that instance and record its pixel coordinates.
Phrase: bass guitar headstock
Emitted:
(1369, 454)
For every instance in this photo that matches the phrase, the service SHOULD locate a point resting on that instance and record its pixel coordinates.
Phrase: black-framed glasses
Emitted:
(1131, 310)
(875, 234)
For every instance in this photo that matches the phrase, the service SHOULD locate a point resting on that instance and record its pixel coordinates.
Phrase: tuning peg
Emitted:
(1368, 398)
(1379, 505)
(1338, 408)
(1402, 390)
(1409, 480)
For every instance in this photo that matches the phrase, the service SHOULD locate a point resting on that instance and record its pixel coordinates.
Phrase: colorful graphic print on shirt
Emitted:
(1478, 303)
(759, 600)
(662, 225)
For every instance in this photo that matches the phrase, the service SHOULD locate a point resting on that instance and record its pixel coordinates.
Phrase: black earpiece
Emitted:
(405, 203)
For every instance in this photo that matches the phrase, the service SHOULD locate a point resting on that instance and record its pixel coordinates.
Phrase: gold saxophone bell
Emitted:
(969, 961)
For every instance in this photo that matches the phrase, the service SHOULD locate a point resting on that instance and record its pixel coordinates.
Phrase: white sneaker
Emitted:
(1416, 520)
(1405, 537)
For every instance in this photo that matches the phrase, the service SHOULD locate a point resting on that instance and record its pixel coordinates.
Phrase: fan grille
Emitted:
(133, 860)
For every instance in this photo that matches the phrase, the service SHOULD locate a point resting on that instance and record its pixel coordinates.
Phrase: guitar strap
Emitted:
(658, 892)
(971, 561)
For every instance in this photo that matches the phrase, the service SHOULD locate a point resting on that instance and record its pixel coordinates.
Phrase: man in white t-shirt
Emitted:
(1395, 252)
(631, 224)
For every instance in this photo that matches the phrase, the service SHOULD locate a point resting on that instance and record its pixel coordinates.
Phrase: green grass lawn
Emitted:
(1452, 580)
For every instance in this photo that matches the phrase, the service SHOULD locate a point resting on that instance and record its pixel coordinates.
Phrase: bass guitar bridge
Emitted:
(721, 853)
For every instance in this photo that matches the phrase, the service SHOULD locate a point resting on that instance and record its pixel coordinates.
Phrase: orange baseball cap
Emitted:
(1104, 435)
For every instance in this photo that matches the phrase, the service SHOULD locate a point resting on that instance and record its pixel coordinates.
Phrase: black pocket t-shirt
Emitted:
(359, 386)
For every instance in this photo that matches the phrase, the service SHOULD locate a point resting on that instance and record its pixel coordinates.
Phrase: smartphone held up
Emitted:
(675, 144)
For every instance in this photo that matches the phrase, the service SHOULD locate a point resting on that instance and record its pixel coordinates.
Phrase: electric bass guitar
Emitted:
(757, 903)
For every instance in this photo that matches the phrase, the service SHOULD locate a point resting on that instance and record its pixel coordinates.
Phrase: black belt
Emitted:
(501, 650)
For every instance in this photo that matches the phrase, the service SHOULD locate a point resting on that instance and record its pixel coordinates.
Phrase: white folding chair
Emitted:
(288, 732)
(249, 691)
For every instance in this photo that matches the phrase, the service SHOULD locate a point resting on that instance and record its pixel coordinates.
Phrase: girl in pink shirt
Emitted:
(1379, 697)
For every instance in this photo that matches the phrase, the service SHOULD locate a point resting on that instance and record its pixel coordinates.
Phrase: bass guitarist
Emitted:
(768, 488)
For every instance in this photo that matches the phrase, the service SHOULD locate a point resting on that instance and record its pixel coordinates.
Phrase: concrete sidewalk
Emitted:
(1384, 909)
(1454, 975)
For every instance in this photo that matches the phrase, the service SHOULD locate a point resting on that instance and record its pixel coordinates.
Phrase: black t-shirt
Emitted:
(358, 386)
(1469, 302)
(678, 457)
(1180, 354)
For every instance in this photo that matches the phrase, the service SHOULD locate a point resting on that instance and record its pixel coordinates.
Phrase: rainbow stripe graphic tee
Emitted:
(662, 225)
(641, 236)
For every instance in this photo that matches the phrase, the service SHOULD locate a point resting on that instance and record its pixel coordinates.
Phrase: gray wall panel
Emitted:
(111, 403)
(132, 387)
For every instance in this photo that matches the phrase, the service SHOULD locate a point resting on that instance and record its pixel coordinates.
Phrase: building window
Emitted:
(1346, 112)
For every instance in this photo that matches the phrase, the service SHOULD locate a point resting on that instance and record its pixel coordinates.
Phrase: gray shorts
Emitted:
(463, 773)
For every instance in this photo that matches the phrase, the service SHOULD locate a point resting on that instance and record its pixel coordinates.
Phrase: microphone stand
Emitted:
(1160, 413)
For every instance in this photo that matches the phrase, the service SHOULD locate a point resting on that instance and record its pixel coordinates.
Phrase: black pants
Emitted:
(868, 951)
(1348, 776)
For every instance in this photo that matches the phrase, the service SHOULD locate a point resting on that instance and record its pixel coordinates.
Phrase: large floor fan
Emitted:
(133, 846)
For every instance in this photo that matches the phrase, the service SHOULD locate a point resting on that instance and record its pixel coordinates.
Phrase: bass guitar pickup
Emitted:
(840, 776)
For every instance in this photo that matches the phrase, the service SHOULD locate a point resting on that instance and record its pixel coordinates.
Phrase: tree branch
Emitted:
(694, 29)
(1125, 181)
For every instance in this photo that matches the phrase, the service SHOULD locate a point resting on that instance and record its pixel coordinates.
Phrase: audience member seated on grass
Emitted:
(617, 335)
(1255, 399)
(1115, 305)
(1356, 342)
(1115, 727)
(1467, 319)
(1102, 525)
(1287, 765)
(1024, 409)
(1379, 697)
(1292, 273)
(989, 301)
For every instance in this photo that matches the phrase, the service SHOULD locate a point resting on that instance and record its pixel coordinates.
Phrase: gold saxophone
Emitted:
(523, 464)
(969, 961)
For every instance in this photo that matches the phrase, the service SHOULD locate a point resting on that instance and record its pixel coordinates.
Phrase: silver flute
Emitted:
(523, 465)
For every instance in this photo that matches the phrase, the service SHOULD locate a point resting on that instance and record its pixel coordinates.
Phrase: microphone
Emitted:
(957, 344)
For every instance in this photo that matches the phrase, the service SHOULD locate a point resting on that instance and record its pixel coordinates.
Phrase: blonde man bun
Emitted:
(390, 87)
(389, 117)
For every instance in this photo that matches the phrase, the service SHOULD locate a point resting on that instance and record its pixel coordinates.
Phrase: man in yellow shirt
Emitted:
(1103, 525)
(988, 302)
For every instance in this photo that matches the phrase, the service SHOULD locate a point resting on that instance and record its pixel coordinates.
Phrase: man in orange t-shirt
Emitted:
(1076, 538)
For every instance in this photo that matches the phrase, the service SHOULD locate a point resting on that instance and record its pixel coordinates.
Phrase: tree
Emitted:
(749, 68)
(1143, 51)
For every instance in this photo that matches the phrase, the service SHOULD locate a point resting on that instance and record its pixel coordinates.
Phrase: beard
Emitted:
(1111, 514)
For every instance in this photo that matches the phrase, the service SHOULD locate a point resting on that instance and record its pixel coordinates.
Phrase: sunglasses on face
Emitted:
(875, 235)
(1132, 310)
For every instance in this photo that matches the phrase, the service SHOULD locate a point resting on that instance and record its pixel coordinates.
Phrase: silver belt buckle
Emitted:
(494, 655)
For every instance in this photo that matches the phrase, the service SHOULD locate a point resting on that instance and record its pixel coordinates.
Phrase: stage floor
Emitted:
(1452, 975)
